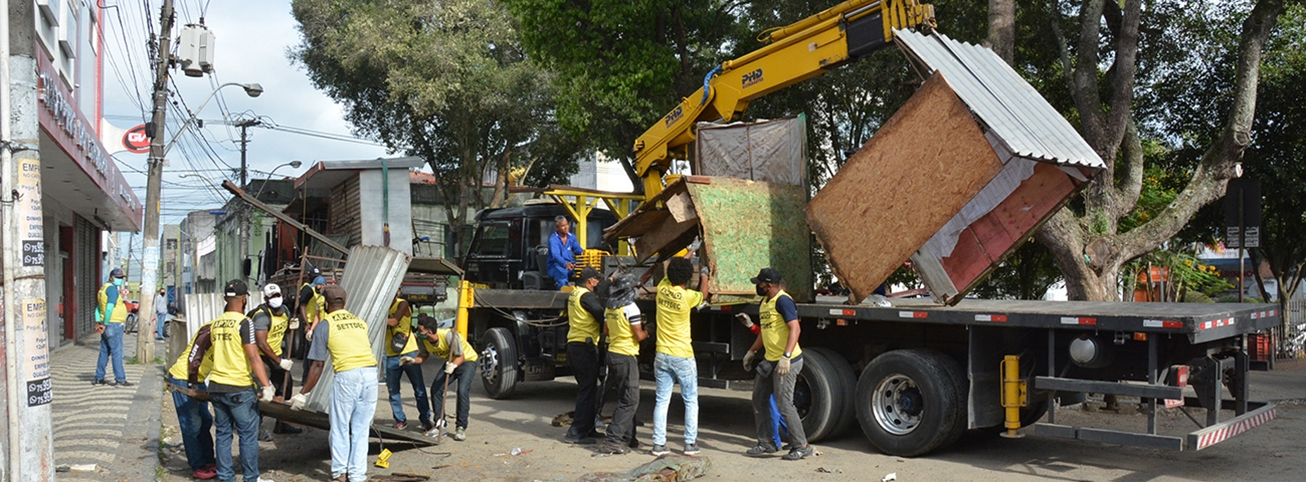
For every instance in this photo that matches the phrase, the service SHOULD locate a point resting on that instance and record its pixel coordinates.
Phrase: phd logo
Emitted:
(674, 116)
(136, 140)
(752, 78)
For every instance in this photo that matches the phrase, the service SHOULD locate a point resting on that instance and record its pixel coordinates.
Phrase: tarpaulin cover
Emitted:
(769, 151)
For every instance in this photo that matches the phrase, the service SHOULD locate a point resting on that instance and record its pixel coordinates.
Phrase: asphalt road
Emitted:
(1274, 451)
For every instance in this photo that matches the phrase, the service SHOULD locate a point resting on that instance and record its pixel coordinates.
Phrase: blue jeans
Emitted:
(237, 411)
(464, 374)
(159, 322)
(111, 347)
(196, 423)
(667, 370)
(393, 373)
(353, 404)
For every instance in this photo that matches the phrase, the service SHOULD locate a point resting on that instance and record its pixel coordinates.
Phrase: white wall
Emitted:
(371, 209)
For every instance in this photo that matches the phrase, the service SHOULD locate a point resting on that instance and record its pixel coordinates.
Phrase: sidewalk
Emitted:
(115, 429)
(1287, 383)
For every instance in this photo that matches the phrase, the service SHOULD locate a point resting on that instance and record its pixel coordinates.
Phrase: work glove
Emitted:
(449, 368)
(294, 324)
(406, 360)
(268, 393)
(782, 367)
(748, 360)
(298, 401)
(286, 364)
(745, 320)
(308, 335)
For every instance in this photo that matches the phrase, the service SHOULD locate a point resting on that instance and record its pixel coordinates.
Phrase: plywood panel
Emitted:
(891, 196)
(748, 226)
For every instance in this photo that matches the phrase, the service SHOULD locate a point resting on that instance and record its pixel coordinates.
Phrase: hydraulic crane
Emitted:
(792, 54)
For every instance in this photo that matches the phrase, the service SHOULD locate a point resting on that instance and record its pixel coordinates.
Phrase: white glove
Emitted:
(294, 324)
(745, 320)
(298, 401)
(308, 335)
(268, 393)
(449, 368)
(406, 360)
(782, 366)
(287, 364)
(748, 360)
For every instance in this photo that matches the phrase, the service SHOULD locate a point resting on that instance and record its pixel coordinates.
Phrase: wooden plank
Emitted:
(230, 186)
(919, 170)
(659, 240)
(681, 208)
(749, 225)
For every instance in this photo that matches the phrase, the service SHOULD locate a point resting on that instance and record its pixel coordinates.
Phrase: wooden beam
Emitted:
(240, 193)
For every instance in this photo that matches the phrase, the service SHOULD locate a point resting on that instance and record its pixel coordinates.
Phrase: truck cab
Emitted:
(510, 247)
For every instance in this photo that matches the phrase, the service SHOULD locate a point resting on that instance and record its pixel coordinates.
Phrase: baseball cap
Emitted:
(766, 275)
(235, 287)
(271, 289)
(117, 273)
(587, 273)
(333, 294)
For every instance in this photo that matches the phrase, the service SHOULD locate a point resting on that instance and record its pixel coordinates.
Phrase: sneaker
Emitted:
(205, 473)
(460, 434)
(260, 479)
(400, 425)
(691, 449)
(799, 453)
(611, 449)
(659, 450)
(578, 441)
(760, 450)
(264, 436)
(432, 433)
(124, 384)
(98, 382)
(634, 443)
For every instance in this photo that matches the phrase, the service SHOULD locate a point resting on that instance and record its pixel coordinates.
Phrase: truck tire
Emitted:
(498, 363)
(911, 402)
(824, 394)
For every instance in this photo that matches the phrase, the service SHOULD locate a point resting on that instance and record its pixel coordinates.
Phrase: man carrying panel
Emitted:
(583, 334)
(674, 361)
(193, 417)
(778, 370)
(271, 320)
(398, 333)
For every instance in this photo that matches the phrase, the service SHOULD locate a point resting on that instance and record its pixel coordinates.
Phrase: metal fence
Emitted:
(1291, 334)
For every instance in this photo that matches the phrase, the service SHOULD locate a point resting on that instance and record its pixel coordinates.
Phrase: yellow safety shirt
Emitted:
(405, 326)
(674, 305)
(443, 343)
(621, 339)
(775, 331)
(347, 341)
(278, 321)
(581, 325)
(181, 368)
(229, 333)
(119, 309)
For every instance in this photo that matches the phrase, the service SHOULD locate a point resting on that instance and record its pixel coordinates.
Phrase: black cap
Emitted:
(333, 294)
(587, 273)
(767, 275)
(235, 287)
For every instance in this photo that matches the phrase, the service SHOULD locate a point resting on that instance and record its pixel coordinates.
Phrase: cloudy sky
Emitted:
(253, 37)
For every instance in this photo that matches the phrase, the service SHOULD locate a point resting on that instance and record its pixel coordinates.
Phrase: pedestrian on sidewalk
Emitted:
(110, 316)
(231, 386)
(343, 337)
(400, 343)
(270, 321)
(459, 364)
(193, 417)
(583, 314)
(625, 329)
(160, 313)
(674, 361)
(777, 372)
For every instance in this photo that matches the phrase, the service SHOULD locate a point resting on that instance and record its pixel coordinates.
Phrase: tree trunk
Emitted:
(1002, 29)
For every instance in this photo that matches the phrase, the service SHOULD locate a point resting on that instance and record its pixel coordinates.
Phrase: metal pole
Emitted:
(153, 188)
(242, 214)
(1242, 241)
(30, 454)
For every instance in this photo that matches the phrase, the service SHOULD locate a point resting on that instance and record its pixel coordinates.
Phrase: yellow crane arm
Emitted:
(793, 53)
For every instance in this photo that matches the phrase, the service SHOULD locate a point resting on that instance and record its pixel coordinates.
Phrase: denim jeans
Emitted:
(463, 376)
(196, 424)
(667, 370)
(236, 411)
(353, 404)
(160, 321)
(111, 348)
(393, 373)
(768, 383)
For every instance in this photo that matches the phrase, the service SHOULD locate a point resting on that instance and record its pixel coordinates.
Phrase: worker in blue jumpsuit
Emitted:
(563, 249)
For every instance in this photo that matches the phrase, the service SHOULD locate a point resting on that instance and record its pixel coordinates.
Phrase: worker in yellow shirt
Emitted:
(271, 320)
(624, 325)
(110, 315)
(584, 325)
(400, 343)
(674, 361)
(193, 417)
(343, 337)
(778, 370)
(459, 364)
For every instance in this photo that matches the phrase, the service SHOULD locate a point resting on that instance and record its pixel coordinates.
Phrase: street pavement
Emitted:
(114, 429)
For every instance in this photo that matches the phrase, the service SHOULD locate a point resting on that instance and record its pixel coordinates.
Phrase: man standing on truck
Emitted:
(583, 314)
(400, 343)
(778, 370)
(624, 325)
(343, 337)
(563, 250)
(674, 361)
(459, 364)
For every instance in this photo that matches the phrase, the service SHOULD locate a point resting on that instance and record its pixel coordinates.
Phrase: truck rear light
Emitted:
(1178, 376)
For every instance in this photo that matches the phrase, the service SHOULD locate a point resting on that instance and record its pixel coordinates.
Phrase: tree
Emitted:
(445, 81)
(1113, 119)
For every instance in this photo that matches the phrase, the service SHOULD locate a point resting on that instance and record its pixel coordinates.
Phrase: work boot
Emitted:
(460, 434)
(760, 450)
(427, 425)
(799, 453)
(578, 441)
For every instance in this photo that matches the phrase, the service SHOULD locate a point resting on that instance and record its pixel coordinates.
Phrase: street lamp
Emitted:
(251, 89)
(293, 165)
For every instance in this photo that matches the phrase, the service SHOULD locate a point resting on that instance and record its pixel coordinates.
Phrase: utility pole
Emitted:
(29, 440)
(153, 191)
(242, 214)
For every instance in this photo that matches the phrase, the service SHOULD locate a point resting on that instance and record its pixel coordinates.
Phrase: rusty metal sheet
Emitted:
(748, 225)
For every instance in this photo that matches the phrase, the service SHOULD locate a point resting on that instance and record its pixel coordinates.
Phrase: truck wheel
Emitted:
(498, 363)
(824, 393)
(910, 402)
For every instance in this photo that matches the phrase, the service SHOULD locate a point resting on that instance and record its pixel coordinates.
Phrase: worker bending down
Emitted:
(459, 365)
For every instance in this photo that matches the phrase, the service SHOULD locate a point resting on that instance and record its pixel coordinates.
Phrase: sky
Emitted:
(253, 38)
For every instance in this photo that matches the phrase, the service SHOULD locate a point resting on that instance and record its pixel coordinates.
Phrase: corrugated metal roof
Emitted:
(1010, 107)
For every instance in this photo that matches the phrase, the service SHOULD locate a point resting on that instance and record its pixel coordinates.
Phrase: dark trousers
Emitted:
(462, 381)
(769, 383)
(623, 376)
(584, 359)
